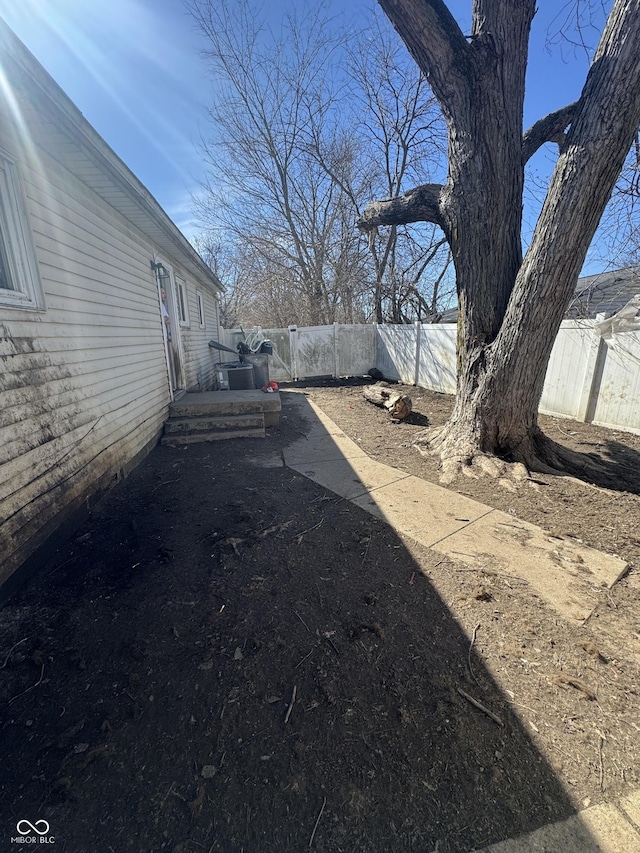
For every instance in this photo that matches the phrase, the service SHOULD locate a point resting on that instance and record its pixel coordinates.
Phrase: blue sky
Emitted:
(133, 67)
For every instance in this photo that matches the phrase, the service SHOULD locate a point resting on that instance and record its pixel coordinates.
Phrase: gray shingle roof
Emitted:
(605, 293)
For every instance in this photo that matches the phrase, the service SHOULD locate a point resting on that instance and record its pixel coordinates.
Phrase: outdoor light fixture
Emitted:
(161, 271)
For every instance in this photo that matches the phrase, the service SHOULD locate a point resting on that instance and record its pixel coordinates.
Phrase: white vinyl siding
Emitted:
(199, 357)
(84, 385)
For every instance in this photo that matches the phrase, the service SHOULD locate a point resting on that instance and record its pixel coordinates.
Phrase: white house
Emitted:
(90, 358)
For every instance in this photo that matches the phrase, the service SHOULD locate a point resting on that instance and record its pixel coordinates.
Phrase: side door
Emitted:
(170, 316)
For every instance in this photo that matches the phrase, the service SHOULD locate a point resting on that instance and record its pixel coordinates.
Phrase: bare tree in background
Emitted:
(301, 139)
(226, 261)
(401, 131)
(510, 307)
(574, 31)
(618, 237)
(272, 98)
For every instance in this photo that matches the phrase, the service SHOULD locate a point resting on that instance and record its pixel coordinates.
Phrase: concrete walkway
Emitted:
(564, 573)
(599, 829)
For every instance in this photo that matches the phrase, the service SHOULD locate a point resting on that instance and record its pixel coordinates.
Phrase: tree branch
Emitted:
(548, 129)
(426, 261)
(437, 44)
(421, 204)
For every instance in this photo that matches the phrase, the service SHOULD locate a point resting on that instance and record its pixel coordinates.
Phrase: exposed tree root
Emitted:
(462, 457)
(538, 454)
(549, 457)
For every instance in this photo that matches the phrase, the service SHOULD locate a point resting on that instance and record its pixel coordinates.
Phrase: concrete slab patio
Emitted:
(565, 573)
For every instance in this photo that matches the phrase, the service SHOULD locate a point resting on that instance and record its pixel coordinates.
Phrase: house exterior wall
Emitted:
(83, 382)
(198, 356)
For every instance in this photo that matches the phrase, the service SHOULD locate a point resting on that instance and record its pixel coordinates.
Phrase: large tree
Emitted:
(510, 307)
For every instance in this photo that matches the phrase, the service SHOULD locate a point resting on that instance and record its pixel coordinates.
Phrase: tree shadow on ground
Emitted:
(622, 466)
(613, 465)
(229, 657)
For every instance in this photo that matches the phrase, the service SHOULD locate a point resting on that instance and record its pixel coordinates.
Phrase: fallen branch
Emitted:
(165, 483)
(275, 528)
(167, 795)
(473, 640)
(601, 763)
(234, 542)
(481, 707)
(366, 551)
(290, 708)
(303, 622)
(298, 536)
(398, 405)
(579, 685)
(331, 643)
(304, 658)
(12, 650)
(33, 687)
(313, 834)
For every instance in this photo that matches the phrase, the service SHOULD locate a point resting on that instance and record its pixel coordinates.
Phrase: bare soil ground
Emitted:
(227, 657)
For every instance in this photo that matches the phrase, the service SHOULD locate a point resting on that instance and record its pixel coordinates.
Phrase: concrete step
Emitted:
(213, 423)
(200, 437)
(218, 403)
(604, 828)
(212, 427)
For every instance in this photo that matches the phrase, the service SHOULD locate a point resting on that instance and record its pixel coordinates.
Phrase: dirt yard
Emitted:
(227, 657)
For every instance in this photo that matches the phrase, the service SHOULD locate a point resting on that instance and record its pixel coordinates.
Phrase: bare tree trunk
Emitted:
(510, 309)
(499, 409)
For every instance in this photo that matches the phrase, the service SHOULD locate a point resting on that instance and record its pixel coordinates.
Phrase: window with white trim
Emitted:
(200, 304)
(181, 301)
(19, 279)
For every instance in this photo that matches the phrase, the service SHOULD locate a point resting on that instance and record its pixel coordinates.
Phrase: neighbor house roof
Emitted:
(604, 293)
(46, 114)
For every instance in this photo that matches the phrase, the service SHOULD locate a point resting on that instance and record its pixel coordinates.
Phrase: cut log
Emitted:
(401, 408)
(381, 394)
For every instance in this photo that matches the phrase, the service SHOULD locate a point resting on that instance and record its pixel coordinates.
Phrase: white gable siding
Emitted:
(84, 383)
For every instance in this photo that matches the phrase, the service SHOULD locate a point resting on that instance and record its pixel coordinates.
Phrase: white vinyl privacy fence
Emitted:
(312, 351)
(589, 377)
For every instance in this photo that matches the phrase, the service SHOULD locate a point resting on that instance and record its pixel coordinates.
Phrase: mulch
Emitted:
(227, 657)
